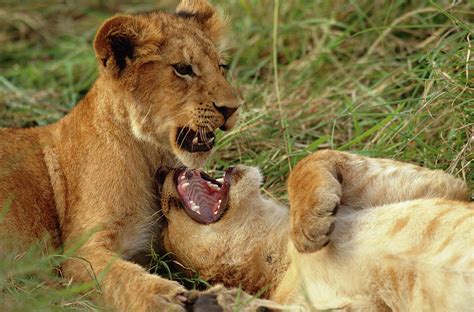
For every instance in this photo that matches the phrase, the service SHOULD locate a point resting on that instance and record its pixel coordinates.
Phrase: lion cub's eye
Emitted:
(183, 69)
(224, 67)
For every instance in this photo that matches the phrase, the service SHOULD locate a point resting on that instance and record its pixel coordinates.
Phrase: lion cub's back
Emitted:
(25, 189)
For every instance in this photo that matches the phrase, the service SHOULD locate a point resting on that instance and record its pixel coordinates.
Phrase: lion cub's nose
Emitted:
(225, 111)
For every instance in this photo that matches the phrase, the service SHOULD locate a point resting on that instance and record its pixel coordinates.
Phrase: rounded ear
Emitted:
(205, 14)
(115, 43)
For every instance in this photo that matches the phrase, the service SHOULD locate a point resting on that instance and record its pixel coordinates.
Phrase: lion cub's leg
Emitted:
(125, 286)
(314, 192)
(326, 179)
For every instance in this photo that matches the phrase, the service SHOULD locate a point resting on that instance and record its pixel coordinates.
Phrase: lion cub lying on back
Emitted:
(402, 238)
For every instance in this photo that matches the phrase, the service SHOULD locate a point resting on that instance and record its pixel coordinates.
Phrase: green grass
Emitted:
(380, 78)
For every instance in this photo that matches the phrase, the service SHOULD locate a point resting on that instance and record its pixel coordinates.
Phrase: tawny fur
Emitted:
(402, 237)
(90, 175)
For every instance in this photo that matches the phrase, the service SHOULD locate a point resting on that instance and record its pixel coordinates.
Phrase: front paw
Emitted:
(312, 225)
(204, 303)
(165, 295)
(164, 303)
(222, 299)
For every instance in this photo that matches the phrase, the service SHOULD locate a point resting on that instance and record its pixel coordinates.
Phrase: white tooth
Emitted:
(213, 186)
(195, 140)
(211, 139)
(220, 180)
(219, 201)
(191, 202)
(185, 185)
(218, 207)
(196, 209)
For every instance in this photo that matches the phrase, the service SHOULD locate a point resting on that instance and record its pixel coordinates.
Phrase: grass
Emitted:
(380, 78)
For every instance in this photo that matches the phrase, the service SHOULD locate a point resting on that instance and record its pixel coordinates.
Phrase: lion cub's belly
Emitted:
(391, 256)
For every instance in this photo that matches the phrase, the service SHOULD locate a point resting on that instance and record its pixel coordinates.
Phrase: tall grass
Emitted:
(380, 78)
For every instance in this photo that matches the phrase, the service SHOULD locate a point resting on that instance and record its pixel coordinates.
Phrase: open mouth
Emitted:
(195, 141)
(204, 198)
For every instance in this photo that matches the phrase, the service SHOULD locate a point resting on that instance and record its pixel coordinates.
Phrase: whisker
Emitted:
(188, 126)
(201, 134)
(206, 138)
(146, 115)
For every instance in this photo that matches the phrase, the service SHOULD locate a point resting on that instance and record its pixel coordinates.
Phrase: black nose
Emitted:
(225, 111)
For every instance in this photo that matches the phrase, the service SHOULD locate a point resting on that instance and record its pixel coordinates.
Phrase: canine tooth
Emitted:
(185, 185)
(182, 177)
(219, 201)
(195, 140)
(220, 180)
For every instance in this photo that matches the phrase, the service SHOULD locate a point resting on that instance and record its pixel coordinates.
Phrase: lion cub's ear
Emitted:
(116, 43)
(205, 14)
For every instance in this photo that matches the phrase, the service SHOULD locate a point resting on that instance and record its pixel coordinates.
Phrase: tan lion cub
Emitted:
(402, 238)
(160, 95)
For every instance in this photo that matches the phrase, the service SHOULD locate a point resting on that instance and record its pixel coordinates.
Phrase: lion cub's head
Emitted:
(167, 78)
(214, 222)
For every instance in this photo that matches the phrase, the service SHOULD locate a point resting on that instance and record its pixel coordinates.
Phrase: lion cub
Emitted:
(401, 240)
(160, 95)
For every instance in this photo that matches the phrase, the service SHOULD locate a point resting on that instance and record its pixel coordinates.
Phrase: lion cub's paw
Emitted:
(311, 226)
(204, 303)
(222, 299)
(164, 295)
(161, 303)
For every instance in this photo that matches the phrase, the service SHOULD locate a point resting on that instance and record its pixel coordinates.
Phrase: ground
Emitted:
(380, 78)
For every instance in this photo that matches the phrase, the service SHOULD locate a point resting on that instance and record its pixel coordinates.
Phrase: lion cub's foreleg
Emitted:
(323, 181)
(124, 285)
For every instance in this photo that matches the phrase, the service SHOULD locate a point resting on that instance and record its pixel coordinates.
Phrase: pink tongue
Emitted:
(202, 194)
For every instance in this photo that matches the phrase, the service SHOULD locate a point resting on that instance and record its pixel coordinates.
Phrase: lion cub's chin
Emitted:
(192, 160)
(245, 185)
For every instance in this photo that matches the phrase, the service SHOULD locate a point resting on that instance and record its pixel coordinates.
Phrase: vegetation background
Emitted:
(380, 78)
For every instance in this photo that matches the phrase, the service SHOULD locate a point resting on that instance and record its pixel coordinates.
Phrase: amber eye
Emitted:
(183, 69)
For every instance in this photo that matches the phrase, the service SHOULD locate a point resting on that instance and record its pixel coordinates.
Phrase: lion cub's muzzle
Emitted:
(202, 140)
(229, 114)
(195, 141)
(226, 112)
